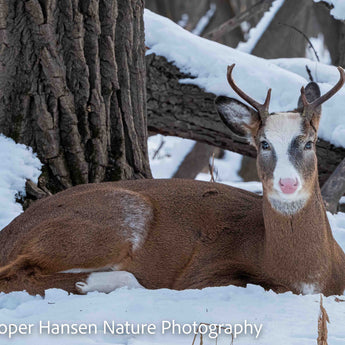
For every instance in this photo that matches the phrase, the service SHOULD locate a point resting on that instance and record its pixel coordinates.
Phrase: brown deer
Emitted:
(183, 234)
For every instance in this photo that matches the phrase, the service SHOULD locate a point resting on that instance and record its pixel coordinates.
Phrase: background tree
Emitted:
(72, 83)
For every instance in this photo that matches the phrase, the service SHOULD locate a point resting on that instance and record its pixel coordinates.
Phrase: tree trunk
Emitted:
(72, 84)
(334, 188)
(197, 159)
(248, 170)
(330, 28)
(282, 41)
(187, 111)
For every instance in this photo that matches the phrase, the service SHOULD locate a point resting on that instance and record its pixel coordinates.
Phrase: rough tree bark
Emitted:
(72, 81)
(187, 111)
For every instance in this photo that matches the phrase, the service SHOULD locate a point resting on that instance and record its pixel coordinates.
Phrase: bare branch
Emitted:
(309, 73)
(233, 23)
(159, 148)
(305, 36)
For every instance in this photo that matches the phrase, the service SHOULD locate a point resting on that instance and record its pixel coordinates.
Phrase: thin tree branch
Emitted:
(305, 36)
(309, 73)
(233, 23)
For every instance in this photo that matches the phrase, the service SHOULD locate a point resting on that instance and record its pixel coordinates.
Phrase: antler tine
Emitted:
(261, 108)
(310, 107)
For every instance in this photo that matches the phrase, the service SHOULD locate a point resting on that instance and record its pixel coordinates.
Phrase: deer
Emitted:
(188, 234)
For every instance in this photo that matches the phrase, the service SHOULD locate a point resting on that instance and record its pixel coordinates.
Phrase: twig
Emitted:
(233, 23)
(309, 73)
(211, 167)
(201, 336)
(159, 148)
(305, 36)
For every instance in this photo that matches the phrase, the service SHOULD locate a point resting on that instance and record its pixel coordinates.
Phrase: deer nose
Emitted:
(288, 185)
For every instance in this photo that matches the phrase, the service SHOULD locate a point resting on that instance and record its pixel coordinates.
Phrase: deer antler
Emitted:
(309, 108)
(261, 108)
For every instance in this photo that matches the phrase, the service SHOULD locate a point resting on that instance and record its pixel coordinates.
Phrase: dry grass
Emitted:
(202, 337)
(322, 325)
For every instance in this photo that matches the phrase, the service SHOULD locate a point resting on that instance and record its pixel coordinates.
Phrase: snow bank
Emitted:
(17, 163)
(287, 319)
(338, 11)
(207, 61)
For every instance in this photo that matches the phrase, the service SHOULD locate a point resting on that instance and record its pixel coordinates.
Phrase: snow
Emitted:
(321, 50)
(17, 163)
(207, 62)
(204, 20)
(255, 34)
(166, 154)
(338, 11)
(184, 20)
(286, 319)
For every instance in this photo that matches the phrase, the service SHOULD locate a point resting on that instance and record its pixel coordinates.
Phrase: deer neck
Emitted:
(299, 248)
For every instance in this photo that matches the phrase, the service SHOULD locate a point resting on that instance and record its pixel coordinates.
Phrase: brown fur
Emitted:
(199, 236)
(192, 234)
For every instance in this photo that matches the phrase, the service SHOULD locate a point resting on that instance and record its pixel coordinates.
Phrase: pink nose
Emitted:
(288, 185)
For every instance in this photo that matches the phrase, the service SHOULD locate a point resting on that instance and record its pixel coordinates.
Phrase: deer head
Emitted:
(285, 141)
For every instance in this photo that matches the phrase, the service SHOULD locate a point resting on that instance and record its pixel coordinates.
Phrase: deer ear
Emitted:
(312, 92)
(242, 121)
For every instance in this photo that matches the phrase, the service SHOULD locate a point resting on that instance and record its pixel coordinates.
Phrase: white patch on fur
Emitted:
(136, 214)
(108, 282)
(280, 131)
(287, 207)
(309, 289)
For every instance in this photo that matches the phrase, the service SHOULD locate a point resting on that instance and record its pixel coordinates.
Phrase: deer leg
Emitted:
(23, 276)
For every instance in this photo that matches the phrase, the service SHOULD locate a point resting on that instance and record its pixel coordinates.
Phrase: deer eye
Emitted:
(308, 145)
(265, 145)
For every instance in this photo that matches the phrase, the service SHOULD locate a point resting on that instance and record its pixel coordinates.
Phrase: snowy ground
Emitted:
(286, 319)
